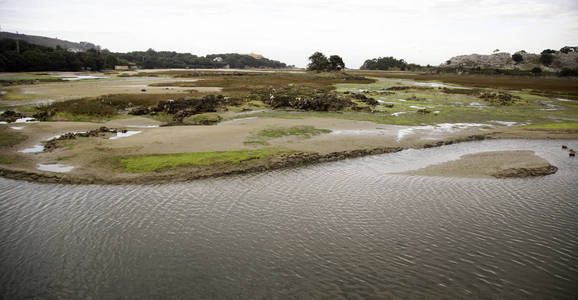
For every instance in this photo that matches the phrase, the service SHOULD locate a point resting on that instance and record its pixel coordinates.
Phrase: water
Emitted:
(346, 229)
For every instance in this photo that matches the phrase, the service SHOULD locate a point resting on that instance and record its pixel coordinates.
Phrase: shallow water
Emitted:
(346, 229)
(120, 135)
(57, 168)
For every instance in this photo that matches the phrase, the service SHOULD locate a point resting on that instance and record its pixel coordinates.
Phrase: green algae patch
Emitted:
(563, 126)
(148, 163)
(9, 139)
(272, 133)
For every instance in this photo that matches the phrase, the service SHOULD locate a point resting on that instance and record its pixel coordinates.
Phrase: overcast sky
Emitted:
(420, 31)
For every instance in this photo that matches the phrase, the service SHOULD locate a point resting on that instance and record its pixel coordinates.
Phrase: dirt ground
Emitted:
(60, 91)
(490, 164)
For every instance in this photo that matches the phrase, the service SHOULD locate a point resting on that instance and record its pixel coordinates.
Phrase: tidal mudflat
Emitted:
(159, 126)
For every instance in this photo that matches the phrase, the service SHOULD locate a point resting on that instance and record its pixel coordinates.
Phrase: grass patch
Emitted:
(563, 86)
(9, 138)
(203, 119)
(272, 133)
(243, 85)
(7, 159)
(106, 106)
(148, 163)
(569, 125)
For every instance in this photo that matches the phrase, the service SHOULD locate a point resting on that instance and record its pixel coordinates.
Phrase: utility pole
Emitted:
(17, 43)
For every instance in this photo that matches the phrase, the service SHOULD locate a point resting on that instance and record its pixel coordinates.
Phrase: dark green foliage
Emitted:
(536, 70)
(152, 59)
(548, 51)
(318, 62)
(517, 57)
(386, 63)
(568, 49)
(336, 63)
(39, 58)
(546, 58)
(567, 72)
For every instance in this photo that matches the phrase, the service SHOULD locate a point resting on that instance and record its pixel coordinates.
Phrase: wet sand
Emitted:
(497, 164)
(60, 91)
(91, 157)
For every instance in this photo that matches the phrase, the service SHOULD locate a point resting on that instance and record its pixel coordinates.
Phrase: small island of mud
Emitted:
(496, 164)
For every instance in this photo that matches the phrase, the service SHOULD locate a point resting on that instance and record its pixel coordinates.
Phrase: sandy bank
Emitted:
(497, 164)
(95, 159)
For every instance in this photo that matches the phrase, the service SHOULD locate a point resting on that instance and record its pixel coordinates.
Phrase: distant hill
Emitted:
(548, 60)
(37, 53)
(50, 42)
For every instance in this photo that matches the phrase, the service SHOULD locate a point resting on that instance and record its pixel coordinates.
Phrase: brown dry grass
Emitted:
(242, 85)
(567, 86)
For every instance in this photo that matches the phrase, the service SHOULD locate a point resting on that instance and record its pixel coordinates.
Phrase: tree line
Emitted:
(389, 63)
(23, 56)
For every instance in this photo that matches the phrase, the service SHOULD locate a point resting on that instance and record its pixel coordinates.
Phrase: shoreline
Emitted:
(183, 174)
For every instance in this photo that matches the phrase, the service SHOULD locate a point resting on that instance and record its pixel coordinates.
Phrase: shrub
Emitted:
(517, 57)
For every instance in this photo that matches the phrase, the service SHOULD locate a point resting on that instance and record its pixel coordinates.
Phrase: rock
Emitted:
(184, 108)
(572, 153)
(564, 147)
(365, 99)
(143, 90)
(10, 116)
(139, 110)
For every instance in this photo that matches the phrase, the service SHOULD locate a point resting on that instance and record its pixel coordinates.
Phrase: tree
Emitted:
(318, 62)
(568, 49)
(546, 58)
(336, 63)
(517, 57)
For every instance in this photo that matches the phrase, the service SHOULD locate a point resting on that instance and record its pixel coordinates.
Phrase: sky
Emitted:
(419, 31)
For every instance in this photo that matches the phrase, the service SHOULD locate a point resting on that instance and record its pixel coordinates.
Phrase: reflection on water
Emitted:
(346, 229)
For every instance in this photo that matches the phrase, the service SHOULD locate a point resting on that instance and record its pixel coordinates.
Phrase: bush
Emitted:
(517, 57)
(536, 70)
(546, 59)
(567, 72)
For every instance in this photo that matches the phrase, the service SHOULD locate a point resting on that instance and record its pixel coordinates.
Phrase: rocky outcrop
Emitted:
(53, 144)
(504, 61)
(10, 116)
(526, 172)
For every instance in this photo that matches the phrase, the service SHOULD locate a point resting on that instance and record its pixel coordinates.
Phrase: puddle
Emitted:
(477, 104)
(17, 128)
(438, 128)
(236, 120)
(33, 149)
(143, 126)
(79, 77)
(3, 122)
(564, 100)
(126, 134)
(26, 120)
(252, 112)
(359, 132)
(417, 107)
(57, 168)
(396, 114)
(505, 123)
(39, 147)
